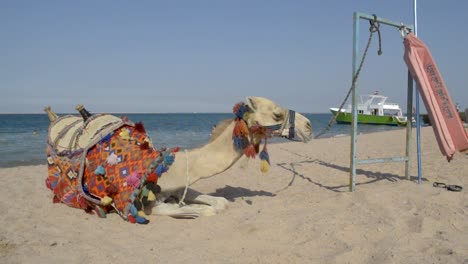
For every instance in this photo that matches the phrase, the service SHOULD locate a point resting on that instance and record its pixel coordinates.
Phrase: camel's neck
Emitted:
(209, 160)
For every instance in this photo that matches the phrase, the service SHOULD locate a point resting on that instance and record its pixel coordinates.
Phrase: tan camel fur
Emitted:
(216, 157)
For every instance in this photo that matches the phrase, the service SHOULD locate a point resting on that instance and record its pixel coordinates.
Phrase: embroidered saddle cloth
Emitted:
(104, 164)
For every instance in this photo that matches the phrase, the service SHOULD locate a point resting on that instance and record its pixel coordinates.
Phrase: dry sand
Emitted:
(300, 212)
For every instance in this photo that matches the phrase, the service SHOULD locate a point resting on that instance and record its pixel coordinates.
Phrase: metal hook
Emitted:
(403, 30)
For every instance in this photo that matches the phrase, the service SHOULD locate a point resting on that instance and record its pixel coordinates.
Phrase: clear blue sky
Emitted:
(204, 56)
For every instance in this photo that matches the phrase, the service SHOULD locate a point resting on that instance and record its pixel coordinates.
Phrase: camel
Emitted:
(189, 166)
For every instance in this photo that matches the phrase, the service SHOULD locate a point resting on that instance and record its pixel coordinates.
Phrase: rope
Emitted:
(181, 202)
(374, 27)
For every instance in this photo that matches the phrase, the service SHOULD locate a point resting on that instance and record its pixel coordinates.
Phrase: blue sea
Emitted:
(23, 136)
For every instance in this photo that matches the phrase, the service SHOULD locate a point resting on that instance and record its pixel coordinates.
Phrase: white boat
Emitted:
(373, 109)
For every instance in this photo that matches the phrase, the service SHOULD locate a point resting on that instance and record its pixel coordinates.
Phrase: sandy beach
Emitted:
(299, 212)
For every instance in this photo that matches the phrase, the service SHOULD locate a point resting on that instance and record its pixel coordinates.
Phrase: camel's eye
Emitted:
(278, 116)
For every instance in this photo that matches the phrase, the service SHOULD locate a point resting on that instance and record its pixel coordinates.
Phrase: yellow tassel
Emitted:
(151, 196)
(264, 166)
(106, 200)
(141, 214)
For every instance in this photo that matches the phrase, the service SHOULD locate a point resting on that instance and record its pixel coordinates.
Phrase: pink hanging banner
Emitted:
(448, 127)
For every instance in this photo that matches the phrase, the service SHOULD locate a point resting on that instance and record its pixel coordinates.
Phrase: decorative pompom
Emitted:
(137, 204)
(156, 189)
(239, 110)
(264, 156)
(133, 210)
(241, 128)
(250, 151)
(152, 177)
(131, 219)
(134, 179)
(145, 201)
(151, 196)
(141, 220)
(139, 127)
(141, 214)
(176, 149)
(100, 170)
(112, 190)
(112, 159)
(238, 143)
(168, 158)
(106, 200)
(144, 145)
(124, 133)
(153, 187)
(161, 169)
(264, 166)
(236, 107)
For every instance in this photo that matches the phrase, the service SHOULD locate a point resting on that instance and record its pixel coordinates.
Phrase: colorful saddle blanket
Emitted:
(104, 164)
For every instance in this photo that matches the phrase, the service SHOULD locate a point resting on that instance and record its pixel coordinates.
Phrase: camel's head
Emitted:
(283, 122)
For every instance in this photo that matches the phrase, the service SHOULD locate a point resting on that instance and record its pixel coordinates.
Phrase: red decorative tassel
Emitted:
(250, 151)
(144, 145)
(139, 127)
(236, 107)
(258, 130)
(152, 177)
(131, 219)
(176, 149)
(241, 129)
(112, 190)
(236, 132)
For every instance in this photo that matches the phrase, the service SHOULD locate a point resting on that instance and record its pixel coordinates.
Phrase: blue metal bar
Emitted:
(383, 160)
(352, 178)
(418, 118)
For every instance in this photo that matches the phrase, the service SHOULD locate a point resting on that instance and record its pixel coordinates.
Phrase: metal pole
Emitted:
(352, 173)
(418, 118)
(409, 124)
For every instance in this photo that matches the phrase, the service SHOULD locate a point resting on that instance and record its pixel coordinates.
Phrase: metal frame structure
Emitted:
(353, 158)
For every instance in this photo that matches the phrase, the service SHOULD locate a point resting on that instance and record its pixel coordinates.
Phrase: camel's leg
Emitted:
(218, 203)
(186, 211)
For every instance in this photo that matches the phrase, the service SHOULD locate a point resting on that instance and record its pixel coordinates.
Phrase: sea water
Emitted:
(23, 137)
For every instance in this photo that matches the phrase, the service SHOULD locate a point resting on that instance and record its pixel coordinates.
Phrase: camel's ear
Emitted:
(251, 103)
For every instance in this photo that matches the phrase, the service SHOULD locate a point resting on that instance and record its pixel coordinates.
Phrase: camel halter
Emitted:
(290, 119)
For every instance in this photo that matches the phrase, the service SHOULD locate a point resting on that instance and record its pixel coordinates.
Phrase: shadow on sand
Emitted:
(372, 175)
(231, 193)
